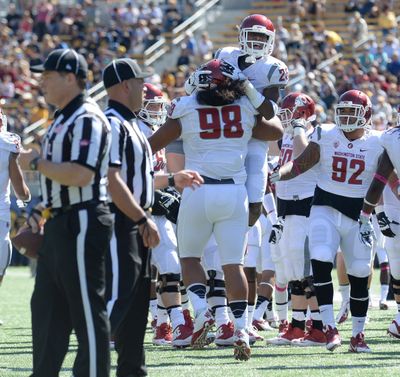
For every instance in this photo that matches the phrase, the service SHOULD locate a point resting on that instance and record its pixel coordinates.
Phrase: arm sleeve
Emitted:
(88, 139)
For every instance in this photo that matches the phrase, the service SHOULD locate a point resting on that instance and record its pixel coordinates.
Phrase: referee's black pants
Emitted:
(128, 293)
(69, 293)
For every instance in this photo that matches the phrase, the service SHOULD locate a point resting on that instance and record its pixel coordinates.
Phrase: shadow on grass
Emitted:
(319, 367)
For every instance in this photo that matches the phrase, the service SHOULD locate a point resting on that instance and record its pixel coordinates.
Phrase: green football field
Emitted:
(15, 347)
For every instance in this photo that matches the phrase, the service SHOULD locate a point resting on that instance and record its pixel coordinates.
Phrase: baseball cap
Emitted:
(122, 69)
(63, 60)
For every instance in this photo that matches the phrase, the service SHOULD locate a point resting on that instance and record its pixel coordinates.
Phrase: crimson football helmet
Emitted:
(154, 110)
(353, 111)
(256, 23)
(295, 106)
(214, 78)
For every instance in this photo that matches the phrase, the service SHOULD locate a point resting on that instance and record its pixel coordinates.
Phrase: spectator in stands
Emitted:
(204, 48)
(328, 92)
(184, 57)
(358, 28)
(390, 45)
(387, 20)
(316, 9)
(43, 13)
(365, 59)
(295, 39)
(280, 31)
(7, 87)
(393, 66)
(380, 57)
(383, 107)
(296, 9)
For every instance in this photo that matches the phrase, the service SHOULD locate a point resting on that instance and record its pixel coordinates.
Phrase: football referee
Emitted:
(70, 280)
(131, 186)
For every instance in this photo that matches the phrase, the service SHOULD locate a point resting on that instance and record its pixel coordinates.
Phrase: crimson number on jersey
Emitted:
(285, 156)
(340, 167)
(213, 128)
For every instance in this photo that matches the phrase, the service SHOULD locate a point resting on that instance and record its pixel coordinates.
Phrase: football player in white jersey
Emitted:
(215, 125)
(290, 249)
(10, 171)
(347, 155)
(164, 256)
(268, 75)
(389, 167)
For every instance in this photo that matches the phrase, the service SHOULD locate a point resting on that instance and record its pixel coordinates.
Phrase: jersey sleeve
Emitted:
(180, 106)
(10, 142)
(118, 141)
(317, 135)
(224, 53)
(277, 74)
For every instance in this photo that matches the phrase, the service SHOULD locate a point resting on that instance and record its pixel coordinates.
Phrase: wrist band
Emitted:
(296, 167)
(142, 220)
(380, 178)
(297, 131)
(369, 203)
(365, 214)
(171, 180)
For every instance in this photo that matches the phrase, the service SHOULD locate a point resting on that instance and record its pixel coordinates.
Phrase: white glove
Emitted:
(275, 176)
(276, 232)
(232, 72)
(366, 230)
(198, 79)
(299, 123)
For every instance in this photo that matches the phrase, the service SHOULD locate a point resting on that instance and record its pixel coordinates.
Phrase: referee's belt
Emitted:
(213, 181)
(49, 213)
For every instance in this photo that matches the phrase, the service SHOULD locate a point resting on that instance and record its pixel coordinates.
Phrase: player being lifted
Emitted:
(268, 75)
(347, 154)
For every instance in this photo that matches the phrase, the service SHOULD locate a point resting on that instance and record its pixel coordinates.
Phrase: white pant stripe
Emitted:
(80, 250)
(115, 274)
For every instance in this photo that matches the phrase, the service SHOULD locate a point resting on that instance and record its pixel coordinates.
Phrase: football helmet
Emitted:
(154, 110)
(256, 23)
(353, 111)
(295, 106)
(215, 76)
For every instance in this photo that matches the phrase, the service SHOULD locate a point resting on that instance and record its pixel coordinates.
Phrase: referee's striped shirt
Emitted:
(131, 152)
(80, 133)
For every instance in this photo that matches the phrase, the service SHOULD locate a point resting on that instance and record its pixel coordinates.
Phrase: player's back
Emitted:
(390, 140)
(215, 138)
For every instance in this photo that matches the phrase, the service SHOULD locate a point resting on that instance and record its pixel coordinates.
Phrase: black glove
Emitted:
(173, 191)
(384, 224)
(166, 205)
(276, 232)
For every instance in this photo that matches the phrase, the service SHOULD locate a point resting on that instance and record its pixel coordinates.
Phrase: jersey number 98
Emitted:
(213, 128)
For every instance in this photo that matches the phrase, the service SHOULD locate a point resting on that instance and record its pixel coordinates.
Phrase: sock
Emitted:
(261, 307)
(239, 311)
(215, 302)
(384, 292)
(299, 319)
(327, 315)
(358, 325)
(316, 320)
(176, 316)
(221, 316)
(345, 292)
(184, 297)
(162, 315)
(197, 296)
(281, 302)
(270, 313)
(250, 311)
(153, 308)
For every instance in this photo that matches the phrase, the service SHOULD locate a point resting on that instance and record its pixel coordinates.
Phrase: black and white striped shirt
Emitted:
(131, 152)
(80, 133)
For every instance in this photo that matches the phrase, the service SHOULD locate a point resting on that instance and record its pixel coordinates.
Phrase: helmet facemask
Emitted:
(255, 47)
(350, 121)
(154, 111)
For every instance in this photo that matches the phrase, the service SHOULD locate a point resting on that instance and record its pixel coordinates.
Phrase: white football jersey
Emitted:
(9, 143)
(346, 167)
(159, 160)
(300, 187)
(390, 140)
(215, 138)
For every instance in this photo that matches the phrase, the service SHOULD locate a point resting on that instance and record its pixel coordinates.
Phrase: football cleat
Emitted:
(309, 324)
(287, 336)
(332, 338)
(254, 336)
(383, 305)
(358, 345)
(163, 335)
(283, 326)
(241, 345)
(394, 329)
(261, 325)
(188, 318)
(343, 312)
(182, 336)
(154, 325)
(312, 338)
(202, 325)
(225, 335)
